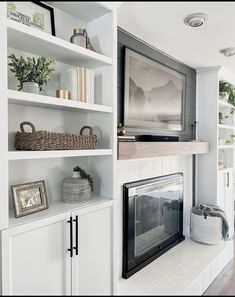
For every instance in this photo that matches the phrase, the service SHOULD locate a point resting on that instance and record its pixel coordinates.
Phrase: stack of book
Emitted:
(80, 84)
(126, 138)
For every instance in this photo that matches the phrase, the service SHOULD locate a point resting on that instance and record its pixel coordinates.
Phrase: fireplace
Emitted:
(152, 220)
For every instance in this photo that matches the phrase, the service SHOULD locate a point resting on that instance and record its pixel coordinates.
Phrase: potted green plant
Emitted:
(31, 73)
(224, 91)
(227, 92)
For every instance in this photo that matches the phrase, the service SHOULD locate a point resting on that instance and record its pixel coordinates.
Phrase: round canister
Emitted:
(76, 189)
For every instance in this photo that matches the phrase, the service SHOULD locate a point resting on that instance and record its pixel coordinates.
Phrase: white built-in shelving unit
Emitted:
(50, 113)
(215, 185)
(47, 112)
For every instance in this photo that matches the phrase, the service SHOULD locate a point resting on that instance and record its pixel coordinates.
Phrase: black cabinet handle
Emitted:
(228, 182)
(76, 248)
(71, 237)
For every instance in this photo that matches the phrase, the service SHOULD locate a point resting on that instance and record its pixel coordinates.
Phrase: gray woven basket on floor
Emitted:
(50, 141)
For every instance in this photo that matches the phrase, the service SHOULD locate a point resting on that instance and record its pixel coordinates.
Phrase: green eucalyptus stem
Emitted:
(84, 175)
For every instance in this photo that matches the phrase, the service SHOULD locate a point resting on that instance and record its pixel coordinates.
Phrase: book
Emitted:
(68, 81)
(126, 140)
(85, 85)
(82, 84)
(78, 85)
(126, 137)
(92, 86)
(89, 85)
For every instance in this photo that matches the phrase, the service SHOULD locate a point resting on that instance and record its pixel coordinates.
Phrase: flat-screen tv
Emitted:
(154, 95)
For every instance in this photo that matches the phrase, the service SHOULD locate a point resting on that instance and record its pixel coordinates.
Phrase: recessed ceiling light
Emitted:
(195, 20)
(228, 52)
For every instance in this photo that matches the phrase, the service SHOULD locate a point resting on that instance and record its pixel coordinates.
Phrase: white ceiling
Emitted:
(161, 25)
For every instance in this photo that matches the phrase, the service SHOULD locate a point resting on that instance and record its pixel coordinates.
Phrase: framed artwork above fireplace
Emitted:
(154, 94)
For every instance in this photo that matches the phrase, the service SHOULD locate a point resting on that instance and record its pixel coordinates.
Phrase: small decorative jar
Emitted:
(76, 189)
(79, 37)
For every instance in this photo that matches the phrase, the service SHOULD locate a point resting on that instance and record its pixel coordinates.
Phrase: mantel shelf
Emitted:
(139, 150)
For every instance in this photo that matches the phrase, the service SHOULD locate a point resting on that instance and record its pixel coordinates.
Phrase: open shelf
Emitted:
(228, 127)
(56, 208)
(229, 146)
(33, 155)
(31, 40)
(85, 11)
(225, 169)
(22, 98)
(223, 104)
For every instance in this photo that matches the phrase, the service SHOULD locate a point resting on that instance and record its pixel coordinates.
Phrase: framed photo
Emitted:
(29, 198)
(33, 14)
(154, 95)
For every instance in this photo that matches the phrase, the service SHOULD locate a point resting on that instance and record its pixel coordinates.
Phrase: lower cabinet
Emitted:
(67, 254)
(92, 268)
(225, 195)
(34, 258)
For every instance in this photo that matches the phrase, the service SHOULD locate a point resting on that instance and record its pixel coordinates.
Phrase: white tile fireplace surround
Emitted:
(180, 271)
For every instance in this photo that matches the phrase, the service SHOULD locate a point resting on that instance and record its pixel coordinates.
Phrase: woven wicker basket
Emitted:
(50, 141)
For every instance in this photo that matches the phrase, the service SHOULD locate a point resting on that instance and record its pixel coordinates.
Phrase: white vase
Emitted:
(30, 87)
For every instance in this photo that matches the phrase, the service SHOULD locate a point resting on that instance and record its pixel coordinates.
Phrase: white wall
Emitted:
(134, 170)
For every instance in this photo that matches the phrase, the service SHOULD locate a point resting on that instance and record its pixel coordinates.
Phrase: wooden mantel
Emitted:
(139, 150)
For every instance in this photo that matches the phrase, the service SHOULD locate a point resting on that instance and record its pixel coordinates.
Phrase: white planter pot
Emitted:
(30, 87)
(224, 96)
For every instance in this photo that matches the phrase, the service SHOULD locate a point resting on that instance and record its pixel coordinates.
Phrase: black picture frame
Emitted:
(51, 14)
(20, 12)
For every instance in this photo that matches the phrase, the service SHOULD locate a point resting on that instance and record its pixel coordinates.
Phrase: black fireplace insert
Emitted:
(152, 220)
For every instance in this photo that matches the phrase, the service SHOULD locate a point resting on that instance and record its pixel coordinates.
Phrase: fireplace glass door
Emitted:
(153, 216)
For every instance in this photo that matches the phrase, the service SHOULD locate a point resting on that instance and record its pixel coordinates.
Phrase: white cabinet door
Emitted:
(226, 195)
(35, 258)
(92, 268)
(229, 199)
(221, 189)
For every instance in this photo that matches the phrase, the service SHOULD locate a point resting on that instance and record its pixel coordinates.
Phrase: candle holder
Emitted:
(63, 94)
